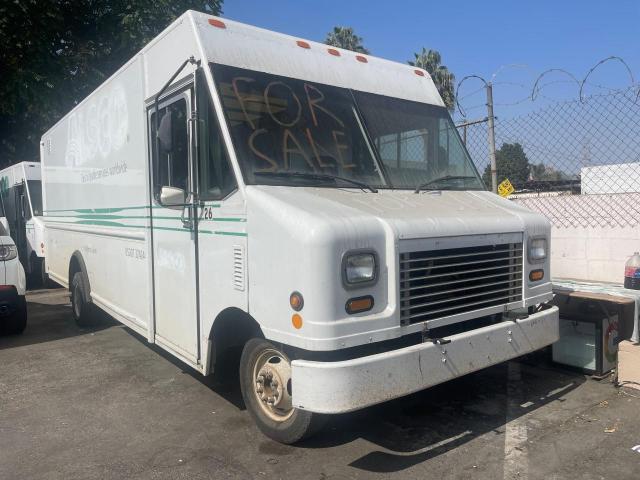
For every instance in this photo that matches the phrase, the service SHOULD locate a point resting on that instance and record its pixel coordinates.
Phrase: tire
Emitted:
(17, 322)
(81, 306)
(32, 269)
(37, 277)
(42, 271)
(280, 422)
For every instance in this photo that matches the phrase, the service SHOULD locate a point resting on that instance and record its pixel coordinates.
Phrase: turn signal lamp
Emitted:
(296, 301)
(536, 275)
(359, 304)
(296, 321)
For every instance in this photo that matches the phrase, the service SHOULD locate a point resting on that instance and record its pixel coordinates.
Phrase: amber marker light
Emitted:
(359, 304)
(217, 23)
(536, 275)
(333, 52)
(296, 321)
(303, 44)
(296, 301)
(362, 59)
(419, 73)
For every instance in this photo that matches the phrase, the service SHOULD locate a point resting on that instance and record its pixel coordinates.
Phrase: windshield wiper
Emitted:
(423, 186)
(318, 176)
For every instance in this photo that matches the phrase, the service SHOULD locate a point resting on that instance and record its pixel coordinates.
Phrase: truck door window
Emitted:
(215, 175)
(35, 195)
(24, 205)
(171, 165)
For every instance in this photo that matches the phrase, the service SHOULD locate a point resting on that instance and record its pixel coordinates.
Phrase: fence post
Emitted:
(492, 138)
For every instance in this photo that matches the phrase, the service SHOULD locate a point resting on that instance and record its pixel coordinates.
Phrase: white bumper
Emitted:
(338, 387)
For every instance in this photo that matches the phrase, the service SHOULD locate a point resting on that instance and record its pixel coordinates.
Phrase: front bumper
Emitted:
(344, 386)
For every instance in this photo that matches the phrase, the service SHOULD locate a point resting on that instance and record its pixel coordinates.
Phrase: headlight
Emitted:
(359, 268)
(537, 249)
(8, 252)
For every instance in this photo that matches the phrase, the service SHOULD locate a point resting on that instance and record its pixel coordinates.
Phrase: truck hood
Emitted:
(408, 215)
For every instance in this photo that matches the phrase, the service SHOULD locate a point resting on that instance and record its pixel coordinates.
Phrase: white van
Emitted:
(21, 196)
(231, 187)
(13, 304)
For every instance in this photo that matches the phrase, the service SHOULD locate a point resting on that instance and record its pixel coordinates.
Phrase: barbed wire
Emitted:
(605, 60)
(537, 86)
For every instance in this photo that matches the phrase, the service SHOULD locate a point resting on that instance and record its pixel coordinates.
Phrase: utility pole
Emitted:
(491, 138)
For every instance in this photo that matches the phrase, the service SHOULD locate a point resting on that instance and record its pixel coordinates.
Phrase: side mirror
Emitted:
(173, 197)
(165, 132)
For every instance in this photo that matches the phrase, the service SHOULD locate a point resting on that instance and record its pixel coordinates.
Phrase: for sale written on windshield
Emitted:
(281, 124)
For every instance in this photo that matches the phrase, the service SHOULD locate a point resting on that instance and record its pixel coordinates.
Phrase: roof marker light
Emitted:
(419, 72)
(303, 44)
(333, 52)
(217, 23)
(362, 59)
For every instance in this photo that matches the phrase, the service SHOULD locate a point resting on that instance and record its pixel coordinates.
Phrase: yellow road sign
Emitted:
(505, 188)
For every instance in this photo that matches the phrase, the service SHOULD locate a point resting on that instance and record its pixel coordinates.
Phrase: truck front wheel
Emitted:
(83, 310)
(265, 380)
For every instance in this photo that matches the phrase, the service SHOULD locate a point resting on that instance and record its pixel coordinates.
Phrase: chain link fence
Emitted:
(577, 162)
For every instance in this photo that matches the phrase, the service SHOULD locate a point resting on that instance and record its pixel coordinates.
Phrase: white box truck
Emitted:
(235, 188)
(21, 196)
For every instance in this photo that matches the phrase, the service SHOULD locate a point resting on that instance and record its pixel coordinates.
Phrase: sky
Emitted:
(477, 37)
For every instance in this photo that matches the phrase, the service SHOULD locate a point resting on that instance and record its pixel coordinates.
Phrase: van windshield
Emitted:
(289, 131)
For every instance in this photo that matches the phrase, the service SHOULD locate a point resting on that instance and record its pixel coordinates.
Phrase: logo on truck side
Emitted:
(99, 128)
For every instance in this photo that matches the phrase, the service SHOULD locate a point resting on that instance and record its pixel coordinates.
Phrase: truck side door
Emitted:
(173, 226)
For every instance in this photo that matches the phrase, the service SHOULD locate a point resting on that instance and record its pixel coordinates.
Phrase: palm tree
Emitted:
(343, 37)
(431, 61)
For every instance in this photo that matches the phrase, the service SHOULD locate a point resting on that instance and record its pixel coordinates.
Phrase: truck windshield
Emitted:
(35, 194)
(284, 129)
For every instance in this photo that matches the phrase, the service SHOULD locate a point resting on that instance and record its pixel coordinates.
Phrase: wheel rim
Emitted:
(75, 300)
(271, 384)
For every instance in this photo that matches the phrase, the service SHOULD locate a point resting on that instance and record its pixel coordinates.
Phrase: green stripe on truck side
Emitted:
(114, 209)
(106, 223)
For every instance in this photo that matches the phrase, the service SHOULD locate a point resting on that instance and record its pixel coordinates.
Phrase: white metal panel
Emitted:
(95, 194)
(293, 231)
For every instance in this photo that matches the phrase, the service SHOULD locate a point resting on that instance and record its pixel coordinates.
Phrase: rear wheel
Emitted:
(81, 306)
(33, 272)
(42, 270)
(265, 380)
(17, 322)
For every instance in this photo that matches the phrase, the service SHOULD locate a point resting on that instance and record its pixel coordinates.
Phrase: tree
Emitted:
(343, 37)
(431, 61)
(545, 173)
(511, 163)
(56, 52)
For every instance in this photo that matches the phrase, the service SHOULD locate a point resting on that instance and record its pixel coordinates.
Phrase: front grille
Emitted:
(440, 283)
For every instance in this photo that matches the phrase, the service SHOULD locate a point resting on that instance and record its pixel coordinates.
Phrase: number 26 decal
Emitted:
(206, 213)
